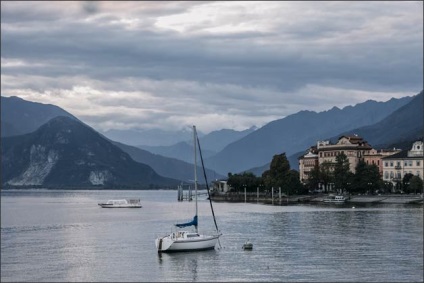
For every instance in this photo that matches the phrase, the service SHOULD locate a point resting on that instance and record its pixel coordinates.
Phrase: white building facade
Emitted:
(396, 166)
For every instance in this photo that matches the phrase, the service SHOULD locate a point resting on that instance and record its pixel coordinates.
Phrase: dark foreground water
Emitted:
(65, 236)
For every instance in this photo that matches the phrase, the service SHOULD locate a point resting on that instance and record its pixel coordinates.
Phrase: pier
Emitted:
(188, 193)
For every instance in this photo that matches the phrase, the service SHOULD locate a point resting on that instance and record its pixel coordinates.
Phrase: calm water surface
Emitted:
(65, 236)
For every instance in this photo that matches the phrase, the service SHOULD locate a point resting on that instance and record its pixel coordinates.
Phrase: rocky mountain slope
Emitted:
(67, 153)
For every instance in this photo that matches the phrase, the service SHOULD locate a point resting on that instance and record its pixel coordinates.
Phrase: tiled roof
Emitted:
(402, 155)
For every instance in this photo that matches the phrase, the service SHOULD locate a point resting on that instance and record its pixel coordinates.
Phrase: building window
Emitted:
(386, 164)
(418, 163)
(391, 163)
(406, 163)
(391, 175)
(386, 175)
(410, 162)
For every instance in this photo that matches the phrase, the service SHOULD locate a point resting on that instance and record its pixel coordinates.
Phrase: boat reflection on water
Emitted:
(192, 263)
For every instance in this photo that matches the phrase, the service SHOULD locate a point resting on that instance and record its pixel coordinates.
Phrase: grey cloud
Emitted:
(365, 46)
(107, 53)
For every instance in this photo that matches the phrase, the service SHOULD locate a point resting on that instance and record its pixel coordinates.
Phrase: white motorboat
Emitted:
(121, 203)
(185, 240)
(335, 199)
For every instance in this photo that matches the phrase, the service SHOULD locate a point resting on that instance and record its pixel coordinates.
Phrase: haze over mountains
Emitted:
(27, 158)
(213, 143)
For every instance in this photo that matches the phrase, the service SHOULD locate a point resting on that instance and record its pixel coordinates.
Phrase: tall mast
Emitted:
(195, 168)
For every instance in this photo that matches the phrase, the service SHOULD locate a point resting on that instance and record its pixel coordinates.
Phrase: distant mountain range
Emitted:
(66, 153)
(34, 157)
(297, 132)
(211, 144)
(404, 124)
(169, 167)
(400, 129)
(152, 137)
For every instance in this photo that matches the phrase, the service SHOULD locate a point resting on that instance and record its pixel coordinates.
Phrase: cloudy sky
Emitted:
(167, 65)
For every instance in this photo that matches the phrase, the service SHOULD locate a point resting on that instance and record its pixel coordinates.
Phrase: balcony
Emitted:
(398, 167)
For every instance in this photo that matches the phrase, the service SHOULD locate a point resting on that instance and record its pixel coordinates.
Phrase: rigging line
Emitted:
(207, 188)
(207, 184)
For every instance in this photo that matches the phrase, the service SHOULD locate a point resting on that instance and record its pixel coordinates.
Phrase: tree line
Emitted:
(366, 179)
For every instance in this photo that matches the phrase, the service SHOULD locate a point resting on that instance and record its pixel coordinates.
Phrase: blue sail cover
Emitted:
(193, 222)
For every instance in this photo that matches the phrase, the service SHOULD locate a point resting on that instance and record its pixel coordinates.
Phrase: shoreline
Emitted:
(385, 199)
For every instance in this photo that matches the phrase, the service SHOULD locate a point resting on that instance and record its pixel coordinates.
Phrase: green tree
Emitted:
(247, 179)
(293, 185)
(405, 182)
(366, 178)
(280, 175)
(341, 172)
(314, 178)
(415, 185)
(326, 174)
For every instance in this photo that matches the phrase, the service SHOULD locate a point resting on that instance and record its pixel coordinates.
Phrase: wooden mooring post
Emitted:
(279, 194)
(245, 196)
(184, 196)
(257, 194)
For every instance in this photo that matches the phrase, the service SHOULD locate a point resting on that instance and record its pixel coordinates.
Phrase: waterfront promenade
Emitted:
(384, 198)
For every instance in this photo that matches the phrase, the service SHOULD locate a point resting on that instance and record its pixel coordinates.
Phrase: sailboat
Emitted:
(186, 240)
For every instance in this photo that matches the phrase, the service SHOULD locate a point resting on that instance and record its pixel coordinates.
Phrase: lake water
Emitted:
(54, 235)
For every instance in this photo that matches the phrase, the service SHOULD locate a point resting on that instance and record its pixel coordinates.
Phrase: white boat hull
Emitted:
(173, 244)
(119, 206)
(335, 199)
(121, 203)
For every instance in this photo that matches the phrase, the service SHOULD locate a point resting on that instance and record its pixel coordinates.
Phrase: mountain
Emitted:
(65, 153)
(13, 107)
(297, 132)
(211, 144)
(400, 129)
(218, 140)
(169, 167)
(181, 151)
(403, 125)
(19, 116)
(153, 137)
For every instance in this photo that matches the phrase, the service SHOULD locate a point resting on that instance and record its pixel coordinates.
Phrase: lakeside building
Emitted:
(396, 166)
(220, 186)
(375, 157)
(307, 163)
(353, 146)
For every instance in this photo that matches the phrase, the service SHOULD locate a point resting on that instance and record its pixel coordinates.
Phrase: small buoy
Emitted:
(353, 207)
(247, 245)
